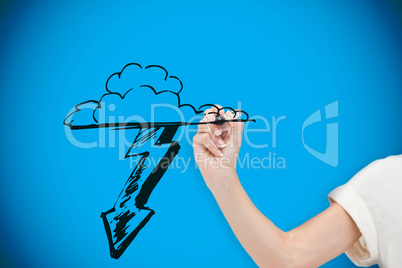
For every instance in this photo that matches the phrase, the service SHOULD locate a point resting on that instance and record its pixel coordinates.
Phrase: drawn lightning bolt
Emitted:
(129, 214)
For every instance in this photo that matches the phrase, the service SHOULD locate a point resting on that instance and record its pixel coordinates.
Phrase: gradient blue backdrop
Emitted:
(276, 57)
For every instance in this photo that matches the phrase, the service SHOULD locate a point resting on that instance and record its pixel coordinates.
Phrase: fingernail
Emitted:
(220, 152)
(221, 143)
(217, 131)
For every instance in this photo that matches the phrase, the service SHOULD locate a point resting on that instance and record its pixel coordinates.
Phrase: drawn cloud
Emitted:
(135, 94)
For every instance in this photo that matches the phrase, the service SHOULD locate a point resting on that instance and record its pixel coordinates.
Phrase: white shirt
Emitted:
(373, 198)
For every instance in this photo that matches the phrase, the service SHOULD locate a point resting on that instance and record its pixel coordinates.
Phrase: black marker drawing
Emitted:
(130, 93)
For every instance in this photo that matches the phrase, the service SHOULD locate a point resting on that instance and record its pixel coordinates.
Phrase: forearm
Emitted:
(312, 244)
(263, 241)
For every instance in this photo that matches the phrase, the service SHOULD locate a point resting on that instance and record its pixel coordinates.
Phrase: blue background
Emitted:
(278, 58)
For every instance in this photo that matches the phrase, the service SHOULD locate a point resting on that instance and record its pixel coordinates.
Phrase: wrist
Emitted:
(222, 181)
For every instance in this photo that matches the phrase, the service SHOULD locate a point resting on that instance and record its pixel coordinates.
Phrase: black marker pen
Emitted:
(220, 120)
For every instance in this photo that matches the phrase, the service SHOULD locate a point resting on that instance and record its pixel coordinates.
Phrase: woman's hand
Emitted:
(216, 148)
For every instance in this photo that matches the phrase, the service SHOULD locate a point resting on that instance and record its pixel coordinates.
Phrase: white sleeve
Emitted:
(373, 199)
(365, 251)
